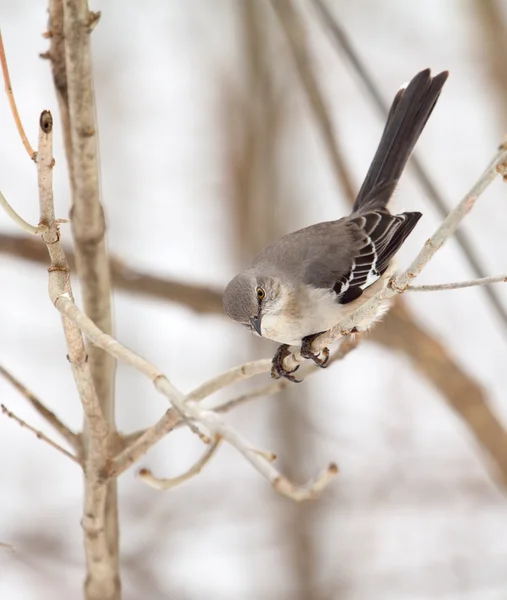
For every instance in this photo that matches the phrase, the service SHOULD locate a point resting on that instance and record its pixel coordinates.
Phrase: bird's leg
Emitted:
(277, 367)
(321, 358)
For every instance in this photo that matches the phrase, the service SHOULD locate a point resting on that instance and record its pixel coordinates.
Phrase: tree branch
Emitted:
(70, 25)
(75, 89)
(72, 438)
(39, 434)
(166, 484)
(138, 443)
(102, 561)
(458, 285)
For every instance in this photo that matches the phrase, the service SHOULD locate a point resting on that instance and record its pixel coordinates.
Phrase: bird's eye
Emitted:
(261, 294)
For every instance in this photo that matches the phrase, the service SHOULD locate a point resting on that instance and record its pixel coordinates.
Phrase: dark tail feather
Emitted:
(409, 113)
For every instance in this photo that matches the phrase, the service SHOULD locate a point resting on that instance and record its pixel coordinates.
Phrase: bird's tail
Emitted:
(409, 113)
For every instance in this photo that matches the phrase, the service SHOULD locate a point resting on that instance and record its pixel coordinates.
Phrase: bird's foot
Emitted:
(277, 367)
(321, 359)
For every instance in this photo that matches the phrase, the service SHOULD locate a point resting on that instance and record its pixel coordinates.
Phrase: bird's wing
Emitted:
(351, 254)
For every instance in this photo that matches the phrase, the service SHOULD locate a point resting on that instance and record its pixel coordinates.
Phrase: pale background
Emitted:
(416, 511)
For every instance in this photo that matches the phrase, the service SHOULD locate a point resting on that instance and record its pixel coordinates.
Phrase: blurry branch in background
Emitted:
(345, 45)
(71, 437)
(38, 434)
(294, 31)
(202, 299)
(292, 408)
(461, 392)
(493, 32)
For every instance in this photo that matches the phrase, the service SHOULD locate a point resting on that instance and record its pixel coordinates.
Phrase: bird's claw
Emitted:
(278, 369)
(321, 359)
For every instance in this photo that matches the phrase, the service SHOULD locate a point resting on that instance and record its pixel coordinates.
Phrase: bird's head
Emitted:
(250, 297)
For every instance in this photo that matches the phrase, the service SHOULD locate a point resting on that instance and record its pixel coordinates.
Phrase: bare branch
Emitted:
(70, 25)
(73, 79)
(12, 102)
(458, 285)
(59, 279)
(138, 443)
(102, 560)
(39, 434)
(344, 44)
(71, 437)
(190, 409)
(166, 484)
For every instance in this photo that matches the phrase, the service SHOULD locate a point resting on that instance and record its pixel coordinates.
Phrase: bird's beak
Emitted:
(256, 323)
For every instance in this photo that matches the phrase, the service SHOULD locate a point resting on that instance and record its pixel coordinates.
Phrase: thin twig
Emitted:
(71, 437)
(165, 484)
(39, 434)
(19, 220)
(12, 102)
(458, 285)
(344, 43)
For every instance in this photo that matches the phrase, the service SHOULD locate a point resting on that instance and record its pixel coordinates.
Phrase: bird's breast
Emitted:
(310, 311)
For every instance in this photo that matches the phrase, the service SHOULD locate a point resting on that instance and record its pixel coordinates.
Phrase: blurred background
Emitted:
(223, 125)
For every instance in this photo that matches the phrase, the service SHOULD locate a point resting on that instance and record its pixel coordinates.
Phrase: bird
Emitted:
(304, 283)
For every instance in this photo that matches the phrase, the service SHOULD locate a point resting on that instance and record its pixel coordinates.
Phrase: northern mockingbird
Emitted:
(304, 283)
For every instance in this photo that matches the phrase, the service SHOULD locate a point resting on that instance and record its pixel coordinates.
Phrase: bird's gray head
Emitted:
(250, 297)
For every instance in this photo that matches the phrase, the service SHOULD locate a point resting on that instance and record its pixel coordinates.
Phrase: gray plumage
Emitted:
(303, 283)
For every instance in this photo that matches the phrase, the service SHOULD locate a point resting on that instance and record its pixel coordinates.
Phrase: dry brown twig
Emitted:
(39, 434)
(72, 438)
